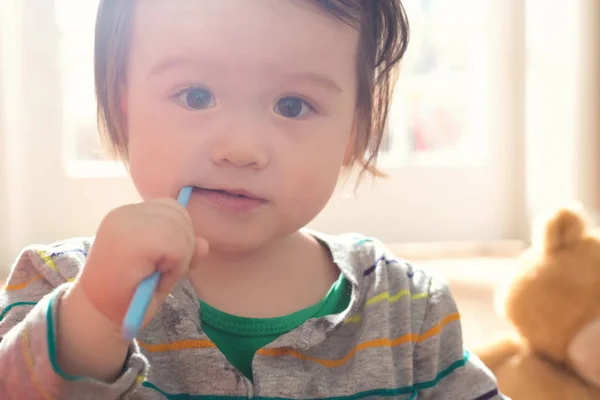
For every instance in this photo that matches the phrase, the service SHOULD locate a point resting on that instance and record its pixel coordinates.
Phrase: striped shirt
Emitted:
(399, 338)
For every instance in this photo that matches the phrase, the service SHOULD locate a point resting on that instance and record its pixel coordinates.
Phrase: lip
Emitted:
(230, 200)
(235, 192)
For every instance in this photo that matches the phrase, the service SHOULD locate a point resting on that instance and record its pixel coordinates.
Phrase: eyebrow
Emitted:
(317, 79)
(174, 62)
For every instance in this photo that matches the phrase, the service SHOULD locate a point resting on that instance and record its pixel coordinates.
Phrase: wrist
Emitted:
(91, 289)
(79, 303)
(88, 343)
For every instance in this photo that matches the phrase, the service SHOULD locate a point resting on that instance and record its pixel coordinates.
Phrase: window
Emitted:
(436, 116)
(453, 152)
(84, 154)
(438, 109)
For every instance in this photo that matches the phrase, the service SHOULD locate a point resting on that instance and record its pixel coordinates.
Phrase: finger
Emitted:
(177, 214)
(200, 252)
(165, 285)
(163, 228)
(172, 211)
(175, 209)
(155, 303)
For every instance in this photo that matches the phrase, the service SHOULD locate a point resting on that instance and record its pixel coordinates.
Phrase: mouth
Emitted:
(234, 201)
(234, 193)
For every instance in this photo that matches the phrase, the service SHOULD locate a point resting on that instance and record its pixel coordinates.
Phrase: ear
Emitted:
(584, 353)
(564, 228)
(348, 155)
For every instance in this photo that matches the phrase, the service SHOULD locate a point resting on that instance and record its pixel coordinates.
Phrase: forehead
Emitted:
(257, 33)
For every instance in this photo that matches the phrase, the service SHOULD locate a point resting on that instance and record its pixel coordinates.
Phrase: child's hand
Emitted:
(132, 242)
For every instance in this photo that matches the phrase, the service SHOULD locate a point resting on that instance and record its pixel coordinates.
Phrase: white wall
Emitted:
(9, 116)
(38, 198)
(563, 85)
(47, 202)
(3, 174)
(563, 124)
(3, 186)
(588, 95)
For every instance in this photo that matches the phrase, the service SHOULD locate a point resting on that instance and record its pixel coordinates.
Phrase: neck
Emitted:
(257, 260)
(296, 270)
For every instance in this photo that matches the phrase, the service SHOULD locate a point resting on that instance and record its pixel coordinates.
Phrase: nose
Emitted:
(241, 147)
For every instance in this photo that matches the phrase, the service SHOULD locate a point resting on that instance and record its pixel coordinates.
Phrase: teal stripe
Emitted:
(412, 390)
(363, 241)
(444, 373)
(13, 305)
(52, 343)
(50, 334)
(186, 396)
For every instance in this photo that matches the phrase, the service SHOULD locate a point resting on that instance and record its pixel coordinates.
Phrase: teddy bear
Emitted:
(553, 304)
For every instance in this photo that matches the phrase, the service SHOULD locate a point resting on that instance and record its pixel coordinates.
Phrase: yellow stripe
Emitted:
(29, 361)
(385, 296)
(139, 379)
(384, 342)
(47, 259)
(22, 285)
(353, 320)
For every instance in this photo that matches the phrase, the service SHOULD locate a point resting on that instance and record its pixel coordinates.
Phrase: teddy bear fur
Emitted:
(553, 303)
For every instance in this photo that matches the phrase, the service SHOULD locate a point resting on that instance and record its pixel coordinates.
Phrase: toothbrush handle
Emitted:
(145, 290)
(139, 305)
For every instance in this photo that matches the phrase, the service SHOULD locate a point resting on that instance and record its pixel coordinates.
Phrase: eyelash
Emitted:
(304, 102)
(187, 90)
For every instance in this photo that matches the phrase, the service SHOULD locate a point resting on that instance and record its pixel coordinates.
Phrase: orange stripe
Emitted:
(22, 285)
(182, 345)
(287, 351)
(438, 328)
(384, 342)
(30, 368)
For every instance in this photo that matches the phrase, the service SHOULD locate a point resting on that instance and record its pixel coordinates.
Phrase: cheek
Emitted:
(308, 184)
(307, 195)
(148, 179)
(153, 167)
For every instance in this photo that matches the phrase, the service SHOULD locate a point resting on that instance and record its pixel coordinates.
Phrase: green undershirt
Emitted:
(239, 338)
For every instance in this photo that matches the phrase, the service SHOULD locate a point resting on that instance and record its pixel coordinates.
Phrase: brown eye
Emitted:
(292, 107)
(196, 98)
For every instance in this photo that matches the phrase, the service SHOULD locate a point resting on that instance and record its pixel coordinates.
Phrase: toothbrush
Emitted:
(145, 290)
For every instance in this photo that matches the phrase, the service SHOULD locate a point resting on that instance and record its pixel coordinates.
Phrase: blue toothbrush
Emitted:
(145, 290)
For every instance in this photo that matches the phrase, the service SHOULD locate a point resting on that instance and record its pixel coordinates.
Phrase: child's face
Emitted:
(240, 94)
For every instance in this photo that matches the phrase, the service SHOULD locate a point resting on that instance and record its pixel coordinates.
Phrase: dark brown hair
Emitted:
(384, 34)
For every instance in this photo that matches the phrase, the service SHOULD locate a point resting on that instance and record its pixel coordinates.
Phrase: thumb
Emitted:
(200, 252)
(172, 276)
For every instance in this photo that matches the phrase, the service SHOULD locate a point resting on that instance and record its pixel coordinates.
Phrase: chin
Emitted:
(235, 245)
(238, 236)
(240, 242)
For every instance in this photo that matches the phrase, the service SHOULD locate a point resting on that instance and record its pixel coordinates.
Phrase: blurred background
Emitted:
(495, 121)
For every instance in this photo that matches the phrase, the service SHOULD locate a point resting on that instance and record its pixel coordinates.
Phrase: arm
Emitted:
(498, 351)
(443, 369)
(33, 328)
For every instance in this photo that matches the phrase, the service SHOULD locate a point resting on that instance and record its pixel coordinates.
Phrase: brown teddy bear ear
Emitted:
(566, 227)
